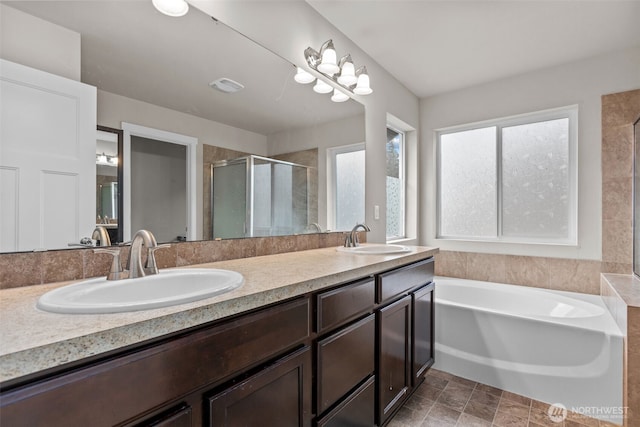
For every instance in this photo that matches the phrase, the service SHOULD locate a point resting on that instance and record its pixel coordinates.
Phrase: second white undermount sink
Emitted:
(167, 288)
(375, 249)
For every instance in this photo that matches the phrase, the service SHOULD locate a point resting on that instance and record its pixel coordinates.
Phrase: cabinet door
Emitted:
(279, 395)
(422, 326)
(394, 362)
(344, 360)
(355, 411)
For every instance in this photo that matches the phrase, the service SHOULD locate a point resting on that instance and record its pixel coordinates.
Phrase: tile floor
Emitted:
(445, 400)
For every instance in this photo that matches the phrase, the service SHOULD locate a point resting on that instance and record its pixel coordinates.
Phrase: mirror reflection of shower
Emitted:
(256, 196)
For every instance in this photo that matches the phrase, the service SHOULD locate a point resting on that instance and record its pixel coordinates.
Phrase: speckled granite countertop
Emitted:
(32, 340)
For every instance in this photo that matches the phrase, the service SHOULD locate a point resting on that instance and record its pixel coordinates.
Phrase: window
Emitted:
(346, 186)
(512, 179)
(395, 184)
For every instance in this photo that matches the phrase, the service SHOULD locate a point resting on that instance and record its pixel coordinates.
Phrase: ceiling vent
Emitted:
(226, 85)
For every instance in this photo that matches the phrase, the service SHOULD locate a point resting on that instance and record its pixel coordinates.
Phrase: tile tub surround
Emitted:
(549, 273)
(34, 268)
(446, 400)
(619, 112)
(621, 294)
(33, 340)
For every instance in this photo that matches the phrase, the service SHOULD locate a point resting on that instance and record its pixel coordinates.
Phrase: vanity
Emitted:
(315, 337)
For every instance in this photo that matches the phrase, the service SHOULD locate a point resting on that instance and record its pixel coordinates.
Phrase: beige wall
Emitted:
(39, 44)
(580, 83)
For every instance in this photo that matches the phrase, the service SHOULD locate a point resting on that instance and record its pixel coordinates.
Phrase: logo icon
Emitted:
(557, 412)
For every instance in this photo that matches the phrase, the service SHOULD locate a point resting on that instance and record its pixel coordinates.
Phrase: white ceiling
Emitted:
(439, 46)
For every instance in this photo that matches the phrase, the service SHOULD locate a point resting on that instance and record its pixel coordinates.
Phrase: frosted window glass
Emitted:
(468, 195)
(349, 189)
(535, 179)
(395, 184)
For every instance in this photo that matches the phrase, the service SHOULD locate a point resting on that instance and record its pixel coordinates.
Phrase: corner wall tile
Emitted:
(574, 275)
(617, 199)
(617, 268)
(617, 245)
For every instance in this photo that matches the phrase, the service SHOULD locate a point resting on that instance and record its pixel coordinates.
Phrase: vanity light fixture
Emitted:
(322, 87)
(343, 73)
(106, 160)
(339, 96)
(173, 8)
(303, 77)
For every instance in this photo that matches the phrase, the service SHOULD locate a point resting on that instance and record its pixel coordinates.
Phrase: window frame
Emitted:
(403, 185)
(568, 112)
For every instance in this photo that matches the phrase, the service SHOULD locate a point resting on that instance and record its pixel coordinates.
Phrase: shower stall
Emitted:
(257, 196)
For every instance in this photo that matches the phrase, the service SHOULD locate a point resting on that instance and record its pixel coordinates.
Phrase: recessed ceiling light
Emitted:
(226, 85)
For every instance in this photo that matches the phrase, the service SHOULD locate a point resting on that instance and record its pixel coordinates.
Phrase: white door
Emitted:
(47, 159)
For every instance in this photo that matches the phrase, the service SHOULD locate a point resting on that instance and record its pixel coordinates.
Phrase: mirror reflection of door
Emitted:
(108, 177)
(158, 183)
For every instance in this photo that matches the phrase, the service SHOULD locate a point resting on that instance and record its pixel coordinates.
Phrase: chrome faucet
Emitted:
(146, 238)
(352, 238)
(314, 226)
(134, 263)
(101, 235)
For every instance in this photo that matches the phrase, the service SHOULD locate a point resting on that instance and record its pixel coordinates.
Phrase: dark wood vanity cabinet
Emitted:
(345, 356)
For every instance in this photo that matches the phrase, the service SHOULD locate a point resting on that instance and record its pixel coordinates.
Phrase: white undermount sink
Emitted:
(167, 288)
(374, 249)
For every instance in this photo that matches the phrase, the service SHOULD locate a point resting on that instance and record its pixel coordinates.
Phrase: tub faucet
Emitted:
(146, 238)
(352, 238)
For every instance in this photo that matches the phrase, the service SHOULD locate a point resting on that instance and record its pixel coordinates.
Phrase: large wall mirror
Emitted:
(158, 72)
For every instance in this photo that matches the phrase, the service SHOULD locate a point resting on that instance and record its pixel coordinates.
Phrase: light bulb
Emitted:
(173, 8)
(348, 74)
(339, 96)
(303, 77)
(322, 87)
(363, 88)
(329, 63)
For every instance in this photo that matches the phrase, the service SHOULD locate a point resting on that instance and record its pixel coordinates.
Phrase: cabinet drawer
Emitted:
(399, 281)
(357, 410)
(338, 306)
(147, 379)
(344, 360)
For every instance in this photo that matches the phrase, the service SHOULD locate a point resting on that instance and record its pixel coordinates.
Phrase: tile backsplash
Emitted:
(34, 268)
(541, 272)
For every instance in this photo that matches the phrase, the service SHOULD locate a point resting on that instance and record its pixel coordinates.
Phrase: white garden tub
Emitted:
(552, 346)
